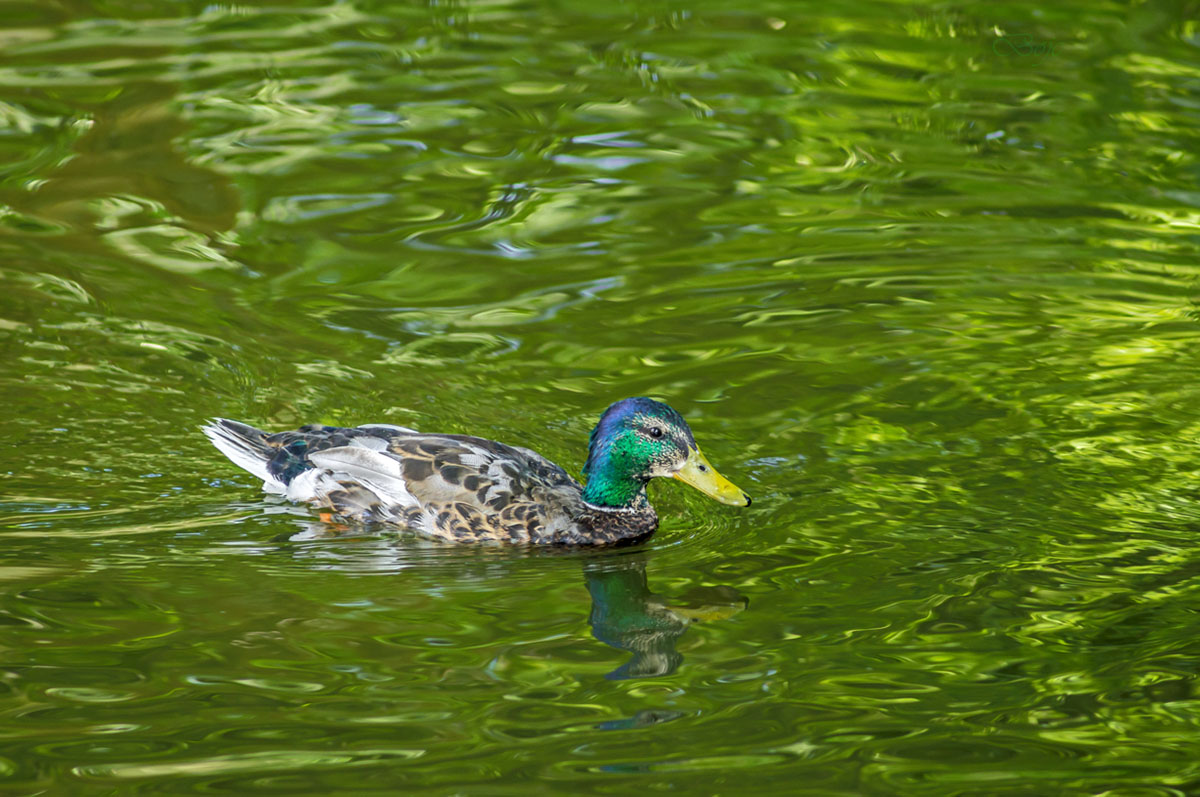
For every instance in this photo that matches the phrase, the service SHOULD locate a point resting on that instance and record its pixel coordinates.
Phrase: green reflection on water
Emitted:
(934, 297)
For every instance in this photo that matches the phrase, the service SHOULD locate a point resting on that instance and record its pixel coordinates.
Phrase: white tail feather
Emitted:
(242, 454)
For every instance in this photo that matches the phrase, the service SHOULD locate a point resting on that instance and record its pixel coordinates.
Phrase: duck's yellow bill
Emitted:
(699, 473)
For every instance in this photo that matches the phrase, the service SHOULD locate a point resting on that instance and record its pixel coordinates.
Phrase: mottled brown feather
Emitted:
(466, 489)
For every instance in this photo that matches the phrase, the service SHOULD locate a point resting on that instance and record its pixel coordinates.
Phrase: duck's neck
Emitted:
(609, 486)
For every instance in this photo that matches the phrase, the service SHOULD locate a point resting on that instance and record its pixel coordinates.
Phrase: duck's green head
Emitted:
(638, 439)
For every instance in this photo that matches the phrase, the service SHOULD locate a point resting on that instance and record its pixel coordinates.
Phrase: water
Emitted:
(922, 279)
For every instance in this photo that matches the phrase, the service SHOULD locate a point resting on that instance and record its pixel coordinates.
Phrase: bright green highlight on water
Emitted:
(922, 279)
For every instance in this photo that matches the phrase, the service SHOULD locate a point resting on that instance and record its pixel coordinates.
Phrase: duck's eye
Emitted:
(655, 432)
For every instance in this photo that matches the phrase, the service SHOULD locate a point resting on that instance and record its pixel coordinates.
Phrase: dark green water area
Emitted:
(922, 278)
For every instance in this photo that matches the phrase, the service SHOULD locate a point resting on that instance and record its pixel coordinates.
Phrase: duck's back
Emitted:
(453, 487)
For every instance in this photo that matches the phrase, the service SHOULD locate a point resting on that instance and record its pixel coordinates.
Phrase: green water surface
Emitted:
(922, 278)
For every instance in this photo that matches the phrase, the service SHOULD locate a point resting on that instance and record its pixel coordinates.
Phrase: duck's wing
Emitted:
(450, 486)
(277, 459)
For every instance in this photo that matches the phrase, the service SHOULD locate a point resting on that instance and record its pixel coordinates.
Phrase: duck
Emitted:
(464, 489)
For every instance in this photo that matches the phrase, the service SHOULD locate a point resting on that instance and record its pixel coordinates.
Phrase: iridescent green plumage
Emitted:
(635, 440)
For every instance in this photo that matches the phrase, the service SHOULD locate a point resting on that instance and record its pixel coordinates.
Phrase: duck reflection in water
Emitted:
(627, 616)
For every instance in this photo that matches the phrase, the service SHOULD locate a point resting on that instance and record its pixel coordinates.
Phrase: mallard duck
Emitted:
(467, 489)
